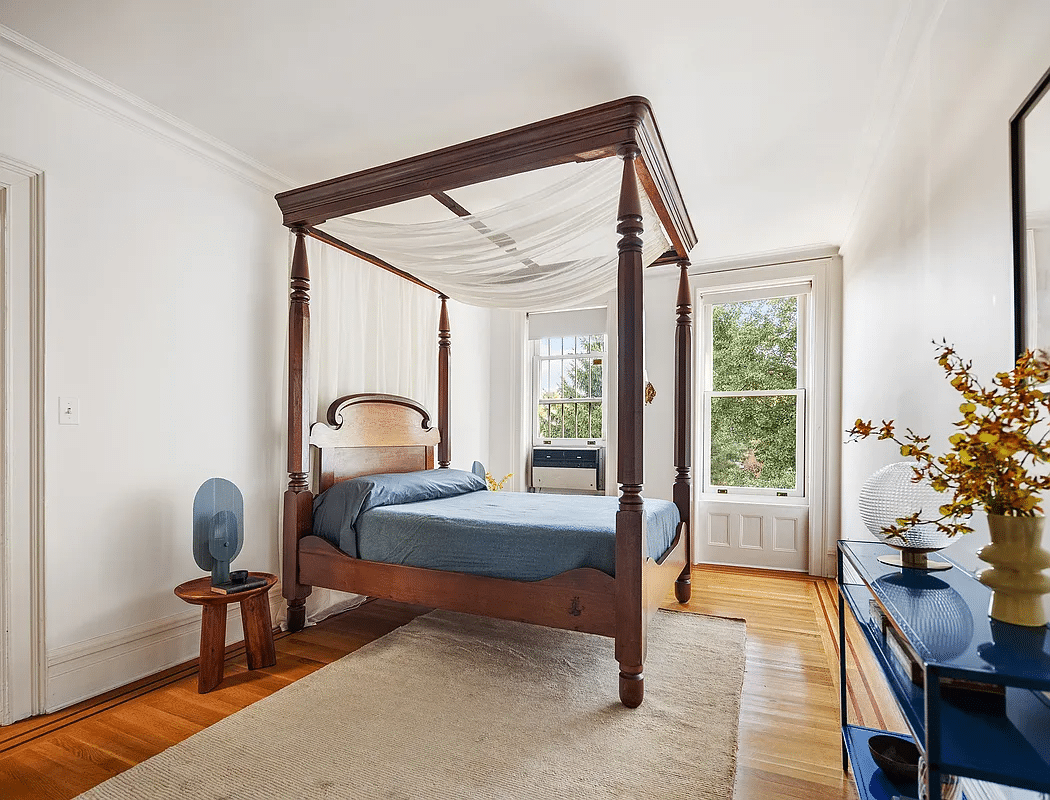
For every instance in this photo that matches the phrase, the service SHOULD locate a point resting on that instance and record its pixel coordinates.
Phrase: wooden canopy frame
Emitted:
(626, 129)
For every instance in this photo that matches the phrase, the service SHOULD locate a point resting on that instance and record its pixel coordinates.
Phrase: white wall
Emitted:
(165, 286)
(166, 308)
(928, 256)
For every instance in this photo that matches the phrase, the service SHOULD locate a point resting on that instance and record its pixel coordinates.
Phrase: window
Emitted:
(569, 381)
(754, 391)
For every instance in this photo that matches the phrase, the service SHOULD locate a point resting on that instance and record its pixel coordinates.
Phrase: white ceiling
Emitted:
(771, 111)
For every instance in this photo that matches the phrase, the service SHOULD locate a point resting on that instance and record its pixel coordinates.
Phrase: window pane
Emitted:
(569, 343)
(544, 417)
(555, 346)
(566, 378)
(596, 378)
(571, 429)
(753, 441)
(596, 421)
(543, 347)
(755, 345)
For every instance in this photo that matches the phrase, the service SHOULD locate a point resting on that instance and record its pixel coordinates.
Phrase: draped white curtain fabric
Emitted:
(552, 248)
(370, 331)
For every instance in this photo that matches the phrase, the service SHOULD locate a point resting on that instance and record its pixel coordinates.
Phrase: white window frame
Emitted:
(537, 365)
(707, 301)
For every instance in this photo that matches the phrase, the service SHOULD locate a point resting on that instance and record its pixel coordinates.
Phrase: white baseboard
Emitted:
(87, 669)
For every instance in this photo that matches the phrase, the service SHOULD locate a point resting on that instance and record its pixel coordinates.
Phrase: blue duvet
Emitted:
(447, 520)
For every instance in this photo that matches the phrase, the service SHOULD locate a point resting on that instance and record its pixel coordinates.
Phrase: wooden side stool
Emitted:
(255, 622)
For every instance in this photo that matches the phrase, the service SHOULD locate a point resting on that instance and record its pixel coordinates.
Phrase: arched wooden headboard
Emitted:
(371, 433)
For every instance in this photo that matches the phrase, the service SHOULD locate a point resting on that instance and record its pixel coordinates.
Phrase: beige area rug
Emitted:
(456, 706)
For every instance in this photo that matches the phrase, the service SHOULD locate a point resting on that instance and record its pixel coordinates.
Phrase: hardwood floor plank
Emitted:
(789, 741)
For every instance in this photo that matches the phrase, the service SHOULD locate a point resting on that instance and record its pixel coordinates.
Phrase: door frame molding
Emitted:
(23, 661)
(823, 468)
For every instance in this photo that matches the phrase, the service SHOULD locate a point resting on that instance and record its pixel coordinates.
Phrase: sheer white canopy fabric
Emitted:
(372, 332)
(548, 249)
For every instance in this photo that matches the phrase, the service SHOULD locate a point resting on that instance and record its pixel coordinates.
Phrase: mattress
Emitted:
(466, 528)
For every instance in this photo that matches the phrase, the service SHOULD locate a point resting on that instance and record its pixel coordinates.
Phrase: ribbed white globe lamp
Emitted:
(892, 493)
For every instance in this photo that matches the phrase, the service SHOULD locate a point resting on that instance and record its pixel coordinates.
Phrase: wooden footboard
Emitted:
(662, 575)
(579, 600)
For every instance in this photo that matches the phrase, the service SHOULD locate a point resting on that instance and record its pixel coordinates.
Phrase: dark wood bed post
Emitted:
(683, 428)
(444, 360)
(298, 500)
(631, 614)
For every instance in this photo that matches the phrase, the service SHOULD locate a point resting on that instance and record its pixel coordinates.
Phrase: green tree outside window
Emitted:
(753, 437)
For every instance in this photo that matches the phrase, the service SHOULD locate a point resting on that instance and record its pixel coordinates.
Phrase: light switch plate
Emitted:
(68, 411)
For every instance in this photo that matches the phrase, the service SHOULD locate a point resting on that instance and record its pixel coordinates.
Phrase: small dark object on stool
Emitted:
(897, 757)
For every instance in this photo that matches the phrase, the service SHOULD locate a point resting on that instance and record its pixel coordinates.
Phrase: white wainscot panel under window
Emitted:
(750, 534)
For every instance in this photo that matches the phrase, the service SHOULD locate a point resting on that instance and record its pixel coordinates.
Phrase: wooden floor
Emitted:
(789, 725)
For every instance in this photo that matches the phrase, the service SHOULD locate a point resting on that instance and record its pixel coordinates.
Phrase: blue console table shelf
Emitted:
(940, 621)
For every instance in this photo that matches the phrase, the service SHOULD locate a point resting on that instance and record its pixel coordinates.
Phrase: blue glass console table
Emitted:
(932, 637)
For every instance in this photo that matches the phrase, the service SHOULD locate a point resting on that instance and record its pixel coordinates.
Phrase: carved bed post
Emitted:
(631, 617)
(683, 428)
(298, 500)
(444, 358)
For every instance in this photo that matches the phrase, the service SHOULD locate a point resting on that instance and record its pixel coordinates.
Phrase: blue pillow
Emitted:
(336, 510)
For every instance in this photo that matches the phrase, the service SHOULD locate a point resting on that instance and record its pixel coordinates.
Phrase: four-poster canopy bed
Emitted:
(370, 433)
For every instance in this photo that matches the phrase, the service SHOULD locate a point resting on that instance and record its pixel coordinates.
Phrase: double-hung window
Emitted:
(569, 380)
(568, 376)
(754, 395)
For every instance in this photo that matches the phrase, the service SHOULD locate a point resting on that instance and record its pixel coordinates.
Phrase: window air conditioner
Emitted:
(568, 470)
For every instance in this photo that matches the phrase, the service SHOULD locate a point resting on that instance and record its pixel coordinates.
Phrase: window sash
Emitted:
(800, 436)
(539, 402)
(707, 302)
(711, 299)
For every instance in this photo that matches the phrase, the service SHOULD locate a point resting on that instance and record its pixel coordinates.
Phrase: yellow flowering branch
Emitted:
(991, 457)
(496, 485)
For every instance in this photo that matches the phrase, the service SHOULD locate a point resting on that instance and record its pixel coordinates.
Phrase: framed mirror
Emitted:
(1030, 189)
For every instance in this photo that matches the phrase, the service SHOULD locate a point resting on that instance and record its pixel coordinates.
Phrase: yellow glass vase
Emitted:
(1016, 576)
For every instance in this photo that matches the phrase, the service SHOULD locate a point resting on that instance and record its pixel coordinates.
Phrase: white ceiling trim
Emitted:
(897, 77)
(22, 56)
(768, 258)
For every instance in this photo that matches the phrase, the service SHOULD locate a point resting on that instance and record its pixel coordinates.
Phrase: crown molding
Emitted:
(766, 258)
(24, 57)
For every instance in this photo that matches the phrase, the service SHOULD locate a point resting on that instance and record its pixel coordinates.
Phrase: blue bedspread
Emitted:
(498, 534)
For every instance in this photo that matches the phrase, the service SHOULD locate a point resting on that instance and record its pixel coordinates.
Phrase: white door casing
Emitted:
(22, 654)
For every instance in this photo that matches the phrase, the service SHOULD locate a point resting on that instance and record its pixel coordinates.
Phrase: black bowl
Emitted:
(897, 757)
